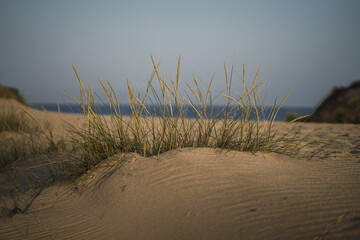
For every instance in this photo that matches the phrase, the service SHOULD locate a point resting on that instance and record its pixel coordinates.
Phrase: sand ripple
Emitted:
(204, 194)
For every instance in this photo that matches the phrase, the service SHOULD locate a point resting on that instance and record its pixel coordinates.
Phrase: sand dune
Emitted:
(207, 194)
(202, 194)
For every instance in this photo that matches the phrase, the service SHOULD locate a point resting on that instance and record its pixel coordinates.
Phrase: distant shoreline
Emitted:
(125, 110)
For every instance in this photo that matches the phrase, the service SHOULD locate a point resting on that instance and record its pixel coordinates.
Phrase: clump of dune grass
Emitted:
(22, 136)
(16, 147)
(20, 144)
(17, 135)
(244, 124)
(15, 120)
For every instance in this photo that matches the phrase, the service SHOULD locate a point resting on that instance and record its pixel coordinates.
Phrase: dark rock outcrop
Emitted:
(342, 105)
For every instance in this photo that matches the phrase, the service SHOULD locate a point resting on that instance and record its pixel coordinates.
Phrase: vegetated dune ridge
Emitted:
(206, 194)
(342, 105)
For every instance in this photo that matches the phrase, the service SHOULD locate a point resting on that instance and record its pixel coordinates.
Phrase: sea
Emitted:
(190, 113)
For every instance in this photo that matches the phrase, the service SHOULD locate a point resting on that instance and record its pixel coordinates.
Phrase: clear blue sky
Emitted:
(305, 47)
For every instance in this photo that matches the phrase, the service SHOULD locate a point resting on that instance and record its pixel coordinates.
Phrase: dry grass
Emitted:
(21, 135)
(11, 93)
(159, 122)
(15, 120)
(244, 124)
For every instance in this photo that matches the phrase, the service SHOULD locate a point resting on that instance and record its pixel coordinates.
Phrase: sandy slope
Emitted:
(208, 194)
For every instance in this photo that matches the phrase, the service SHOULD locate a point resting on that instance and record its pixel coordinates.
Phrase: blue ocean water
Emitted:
(126, 111)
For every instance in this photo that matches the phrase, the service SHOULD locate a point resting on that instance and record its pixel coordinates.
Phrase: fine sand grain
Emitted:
(207, 194)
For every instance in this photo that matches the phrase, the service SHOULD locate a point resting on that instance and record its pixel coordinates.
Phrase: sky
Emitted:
(306, 47)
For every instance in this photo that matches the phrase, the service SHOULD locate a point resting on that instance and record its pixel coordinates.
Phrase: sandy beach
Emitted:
(177, 120)
(201, 193)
